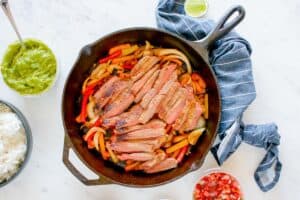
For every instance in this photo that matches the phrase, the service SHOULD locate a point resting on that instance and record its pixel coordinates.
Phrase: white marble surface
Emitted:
(273, 29)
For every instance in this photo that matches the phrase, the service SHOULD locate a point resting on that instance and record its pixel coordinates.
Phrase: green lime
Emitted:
(195, 8)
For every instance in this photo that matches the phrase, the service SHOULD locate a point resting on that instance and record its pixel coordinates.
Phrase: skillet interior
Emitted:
(70, 107)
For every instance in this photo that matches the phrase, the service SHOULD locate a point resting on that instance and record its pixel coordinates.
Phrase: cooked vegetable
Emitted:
(96, 141)
(201, 123)
(90, 133)
(127, 66)
(114, 158)
(148, 46)
(143, 107)
(129, 50)
(181, 154)
(176, 153)
(83, 114)
(90, 110)
(194, 135)
(131, 167)
(185, 79)
(122, 59)
(98, 122)
(118, 48)
(179, 138)
(90, 140)
(102, 146)
(195, 76)
(98, 71)
(168, 144)
(110, 57)
(173, 58)
(178, 54)
(177, 146)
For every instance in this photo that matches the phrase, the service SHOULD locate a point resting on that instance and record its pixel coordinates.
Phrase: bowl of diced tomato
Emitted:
(217, 185)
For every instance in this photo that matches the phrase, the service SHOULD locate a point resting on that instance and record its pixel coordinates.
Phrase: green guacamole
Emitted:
(28, 69)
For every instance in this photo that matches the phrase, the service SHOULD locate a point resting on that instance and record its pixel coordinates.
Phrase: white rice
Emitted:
(12, 145)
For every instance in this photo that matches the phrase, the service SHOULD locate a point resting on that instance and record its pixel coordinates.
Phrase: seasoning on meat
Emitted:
(142, 107)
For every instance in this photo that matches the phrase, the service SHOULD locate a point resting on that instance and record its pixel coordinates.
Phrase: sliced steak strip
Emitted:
(151, 109)
(130, 118)
(148, 97)
(193, 118)
(160, 156)
(169, 95)
(166, 164)
(156, 142)
(148, 85)
(155, 123)
(122, 102)
(194, 115)
(131, 147)
(110, 122)
(143, 134)
(136, 156)
(165, 105)
(140, 83)
(174, 112)
(107, 89)
(155, 103)
(124, 118)
(139, 65)
(143, 69)
(164, 75)
(184, 114)
(119, 87)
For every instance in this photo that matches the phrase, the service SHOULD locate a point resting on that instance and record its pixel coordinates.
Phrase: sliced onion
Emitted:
(99, 70)
(96, 141)
(90, 110)
(180, 55)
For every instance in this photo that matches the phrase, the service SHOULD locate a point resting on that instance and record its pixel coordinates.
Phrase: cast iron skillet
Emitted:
(196, 51)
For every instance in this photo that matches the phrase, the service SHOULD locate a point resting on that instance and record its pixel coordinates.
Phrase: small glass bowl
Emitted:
(218, 170)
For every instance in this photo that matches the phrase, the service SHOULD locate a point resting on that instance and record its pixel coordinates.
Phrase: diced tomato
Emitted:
(217, 185)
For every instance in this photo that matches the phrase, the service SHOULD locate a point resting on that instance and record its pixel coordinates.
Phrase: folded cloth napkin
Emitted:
(230, 60)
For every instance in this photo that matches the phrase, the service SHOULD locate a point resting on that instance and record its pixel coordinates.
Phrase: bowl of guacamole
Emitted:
(29, 69)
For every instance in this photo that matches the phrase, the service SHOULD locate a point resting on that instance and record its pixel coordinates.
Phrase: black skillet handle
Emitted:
(222, 27)
(75, 172)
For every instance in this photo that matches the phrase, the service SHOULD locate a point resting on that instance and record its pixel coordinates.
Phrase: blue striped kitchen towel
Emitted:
(230, 60)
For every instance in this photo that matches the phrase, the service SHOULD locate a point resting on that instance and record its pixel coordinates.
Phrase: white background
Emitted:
(272, 27)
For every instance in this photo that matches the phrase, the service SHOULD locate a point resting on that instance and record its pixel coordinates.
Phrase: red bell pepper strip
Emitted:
(110, 57)
(90, 141)
(89, 90)
(182, 153)
(98, 122)
(127, 66)
(83, 113)
(93, 85)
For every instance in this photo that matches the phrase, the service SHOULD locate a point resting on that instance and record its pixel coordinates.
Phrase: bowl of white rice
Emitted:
(15, 142)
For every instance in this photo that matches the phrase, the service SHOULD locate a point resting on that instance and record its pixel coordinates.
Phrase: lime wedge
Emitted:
(195, 8)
